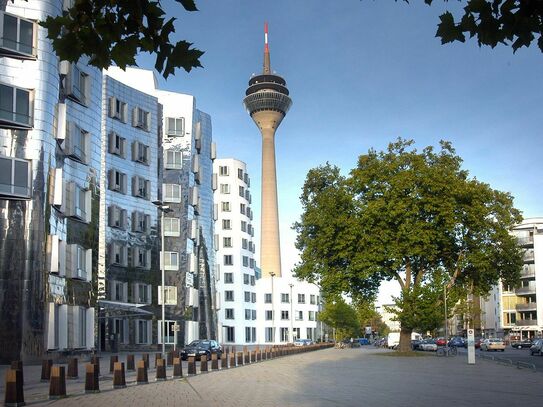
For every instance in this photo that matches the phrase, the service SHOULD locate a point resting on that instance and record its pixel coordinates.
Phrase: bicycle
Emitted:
(339, 345)
(447, 351)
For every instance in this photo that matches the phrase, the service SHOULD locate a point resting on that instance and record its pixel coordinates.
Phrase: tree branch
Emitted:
(399, 279)
(456, 271)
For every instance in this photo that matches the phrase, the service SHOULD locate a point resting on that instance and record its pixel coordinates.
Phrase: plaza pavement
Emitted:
(332, 377)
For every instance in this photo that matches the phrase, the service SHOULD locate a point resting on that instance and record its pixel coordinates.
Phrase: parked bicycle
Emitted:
(447, 351)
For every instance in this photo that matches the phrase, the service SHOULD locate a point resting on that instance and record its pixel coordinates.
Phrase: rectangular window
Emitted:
(116, 217)
(253, 332)
(301, 298)
(118, 109)
(223, 170)
(244, 244)
(170, 294)
(284, 315)
(172, 227)
(268, 315)
(311, 315)
(17, 36)
(119, 290)
(243, 226)
(140, 152)
(241, 191)
(16, 107)
(228, 260)
(141, 222)
(252, 280)
(141, 187)
(270, 334)
(118, 254)
(230, 334)
(81, 260)
(247, 314)
(15, 177)
(77, 143)
(228, 278)
(253, 314)
(242, 209)
(229, 295)
(245, 261)
(173, 160)
(225, 206)
(299, 315)
(141, 119)
(247, 296)
(172, 193)
(283, 332)
(225, 188)
(117, 144)
(247, 334)
(175, 126)
(77, 85)
(284, 298)
(240, 173)
(268, 298)
(141, 258)
(171, 260)
(226, 224)
(142, 293)
(117, 181)
(143, 331)
(229, 313)
(226, 242)
(253, 298)
(312, 299)
(246, 278)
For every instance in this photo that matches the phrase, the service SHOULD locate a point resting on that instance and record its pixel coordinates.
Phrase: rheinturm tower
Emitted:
(267, 101)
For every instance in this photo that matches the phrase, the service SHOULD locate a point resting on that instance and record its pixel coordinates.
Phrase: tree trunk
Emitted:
(405, 340)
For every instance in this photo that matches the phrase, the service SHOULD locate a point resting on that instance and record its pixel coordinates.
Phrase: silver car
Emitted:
(537, 347)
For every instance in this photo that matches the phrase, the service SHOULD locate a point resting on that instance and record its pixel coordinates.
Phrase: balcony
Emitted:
(529, 306)
(526, 322)
(528, 271)
(525, 241)
(529, 256)
(527, 289)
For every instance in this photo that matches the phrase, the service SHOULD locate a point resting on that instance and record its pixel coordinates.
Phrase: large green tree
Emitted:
(405, 215)
(340, 316)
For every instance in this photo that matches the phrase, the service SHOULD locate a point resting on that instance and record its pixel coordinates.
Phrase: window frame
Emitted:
(12, 194)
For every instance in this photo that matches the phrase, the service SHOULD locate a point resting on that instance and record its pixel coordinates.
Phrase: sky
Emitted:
(360, 75)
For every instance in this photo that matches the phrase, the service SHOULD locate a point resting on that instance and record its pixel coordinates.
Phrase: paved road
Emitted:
(521, 355)
(332, 377)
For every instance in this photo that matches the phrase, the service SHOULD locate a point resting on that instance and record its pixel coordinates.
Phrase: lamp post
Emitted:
(446, 322)
(272, 275)
(291, 336)
(163, 209)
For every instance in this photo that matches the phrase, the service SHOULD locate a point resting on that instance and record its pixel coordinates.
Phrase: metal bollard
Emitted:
(112, 360)
(57, 384)
(224, 361)
(214, 361)
(240, 359)
(177, 367)
(246, 357)
(130, 363)
(160, 369)
(145, 358)
(191, 370)
(232, 359)
(14, 396)
(203, 364)
(253, 356)
(170, 357)
(119, 378)
(158, 356)
(92, 381)
(46, 365)
(95, 360)
(141, 375)
(73, 368)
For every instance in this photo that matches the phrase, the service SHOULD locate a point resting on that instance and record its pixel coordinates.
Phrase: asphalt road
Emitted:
(521, 355)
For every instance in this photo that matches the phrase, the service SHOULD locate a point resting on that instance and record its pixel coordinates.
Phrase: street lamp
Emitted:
(291, 338)
(272, 275)
(163, 209)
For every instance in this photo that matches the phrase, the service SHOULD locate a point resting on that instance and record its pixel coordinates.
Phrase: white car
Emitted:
(494, 344)
(428, 345)
(303, 342)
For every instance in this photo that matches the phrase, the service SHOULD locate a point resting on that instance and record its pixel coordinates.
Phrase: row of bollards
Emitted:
(56, 375)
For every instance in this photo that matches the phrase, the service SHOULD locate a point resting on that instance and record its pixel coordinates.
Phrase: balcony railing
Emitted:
(526, 322)
(529, 256)
(529, 306)
(529, 289)
(527, 271)
(525, 241)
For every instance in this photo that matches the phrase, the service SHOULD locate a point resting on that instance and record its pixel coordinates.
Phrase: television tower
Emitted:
(267, 101)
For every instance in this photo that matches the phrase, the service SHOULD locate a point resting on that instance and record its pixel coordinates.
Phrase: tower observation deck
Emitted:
(267, 100)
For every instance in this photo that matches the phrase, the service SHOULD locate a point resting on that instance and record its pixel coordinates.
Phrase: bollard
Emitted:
(224, 361)
(73, 368)
(191, 370)
(46, 365)
(158, 356)
(112, 360)
(214, 361)
(160, 369)
(14, 396)
(240, 359)
(119, 378)
(246, 357)
(170, 357)
(177, 367)
(95, 360)
(253, 356)
(141, 375)
(232, 360)
(259, 356)
(57, 384)
(18, 365)
(203, 364)
(145, 358)
(130, 364)
(92, 381)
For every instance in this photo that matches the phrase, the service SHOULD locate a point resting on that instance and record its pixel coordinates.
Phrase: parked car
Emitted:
(363, 341)
(537, 347)
(428, 345)
(458, 342)
(303, 342)
(477, 343)
(415, 344)
(521, 343)
(201, 347)
(441, 342)
(494, 344)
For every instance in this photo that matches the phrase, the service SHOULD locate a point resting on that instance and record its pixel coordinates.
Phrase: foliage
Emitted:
(115, 31)
(409, 216)
(492, 22)
(368, 316)
(341, 316)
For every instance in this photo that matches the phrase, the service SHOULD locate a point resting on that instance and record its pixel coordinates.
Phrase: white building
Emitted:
(235, 252)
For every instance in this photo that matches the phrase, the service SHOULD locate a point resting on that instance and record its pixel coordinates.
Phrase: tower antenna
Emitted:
(267, 69)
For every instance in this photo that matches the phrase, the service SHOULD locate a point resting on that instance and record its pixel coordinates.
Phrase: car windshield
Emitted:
(201, 344)
(495, 340)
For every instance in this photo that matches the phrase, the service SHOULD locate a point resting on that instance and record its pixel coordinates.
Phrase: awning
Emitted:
(123, 309)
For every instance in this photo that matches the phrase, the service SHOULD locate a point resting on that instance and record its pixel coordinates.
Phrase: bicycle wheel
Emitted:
(440, 352)
(453, 351)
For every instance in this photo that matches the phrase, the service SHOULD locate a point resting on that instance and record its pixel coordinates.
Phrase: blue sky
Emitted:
(361, 74)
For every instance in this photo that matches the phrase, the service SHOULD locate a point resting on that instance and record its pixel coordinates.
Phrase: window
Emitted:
(143, 331)
(247, 296)
(223, 170)
(141, 119)
(230, 334)
(301, 298)
(225, 188)
(171, 260)
(253, 297)
(140, 152)
(117, 181)
(283, 332)
(299, 315)
(15, 177)
(247, 334)
(169, 333)
(284, 298)
(226, 242)
(118, 109)
(243, 226)
(312, 299)
(253, 314)
(228, 260)
(268, 298)
(80, 262)
(248, 196)
(246, 278)
(170, 294)
(77, 143)
(141, 222)
(244, 243)
(240, 173)
(245, 261)
(228, 278)
(284, 315)
(242, 209)
(16, 107)
(141, 258)
(225, 206)
(269, 334)
(77, 85)
(268, 315)
(118, 254)
(120, 329)
(247, 314)
(311, 315)
(229, 313)
(172, 227)
(117, 144)
(241, 191)
(246, 179)
(250, 230)
(173, 160)
(78, 202)
(116, 217)
(141, 187)
(229, 295)
(119, 291)
(175, 126)
(172, 193)
(17, 36)
(142, 293)
(226, 224)
(252, 279)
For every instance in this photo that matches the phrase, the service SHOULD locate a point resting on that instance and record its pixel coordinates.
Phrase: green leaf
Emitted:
(447, 30)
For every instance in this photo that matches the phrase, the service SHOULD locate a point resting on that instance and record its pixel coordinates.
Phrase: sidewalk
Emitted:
(333, 377)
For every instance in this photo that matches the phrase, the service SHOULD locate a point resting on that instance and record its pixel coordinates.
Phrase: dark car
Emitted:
(521, 343)
(201, 347)
(415, 344)
(457, 342)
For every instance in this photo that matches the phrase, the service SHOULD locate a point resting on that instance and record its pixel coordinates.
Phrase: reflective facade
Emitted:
(49, 190)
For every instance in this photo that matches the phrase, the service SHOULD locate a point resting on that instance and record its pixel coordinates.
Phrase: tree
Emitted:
(368, 316)
(116, 31)
(492, 22)
(340, 316)
(408, 216)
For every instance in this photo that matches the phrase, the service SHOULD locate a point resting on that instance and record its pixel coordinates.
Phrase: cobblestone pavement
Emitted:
(332, 377)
